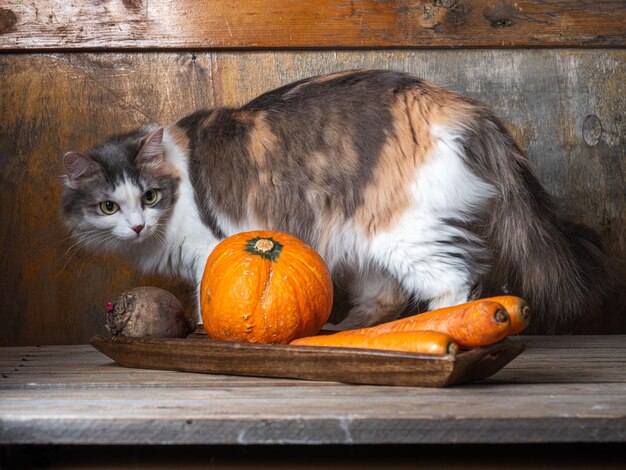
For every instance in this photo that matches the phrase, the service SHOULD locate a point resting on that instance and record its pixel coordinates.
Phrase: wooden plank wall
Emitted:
(175, 24)
(71, 74)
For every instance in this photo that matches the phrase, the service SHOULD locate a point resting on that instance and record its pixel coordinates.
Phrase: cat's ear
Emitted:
(80, 169)
(151, 152)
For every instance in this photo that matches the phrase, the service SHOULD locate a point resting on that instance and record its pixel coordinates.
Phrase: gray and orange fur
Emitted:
(419, 194)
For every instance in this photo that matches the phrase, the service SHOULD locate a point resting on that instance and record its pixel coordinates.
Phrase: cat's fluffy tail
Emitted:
(558, 267)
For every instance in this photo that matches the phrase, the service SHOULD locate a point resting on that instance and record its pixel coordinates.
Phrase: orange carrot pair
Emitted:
(477, 323)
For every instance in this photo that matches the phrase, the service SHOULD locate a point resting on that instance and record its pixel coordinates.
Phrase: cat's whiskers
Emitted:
(160, 237)
(64, 254)
(58, 243)
(161, 226)
(81, 241)
(103, 241)
(83, 246)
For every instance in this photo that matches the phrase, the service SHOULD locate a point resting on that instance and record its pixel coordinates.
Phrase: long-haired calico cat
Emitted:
(421, 193)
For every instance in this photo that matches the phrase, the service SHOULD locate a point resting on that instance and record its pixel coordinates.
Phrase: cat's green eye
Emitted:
(150, 197)
(109, 207)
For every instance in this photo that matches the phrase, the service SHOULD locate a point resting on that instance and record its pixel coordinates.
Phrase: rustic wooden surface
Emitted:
(345, 365)
(179, 24)
(561, 389)
(566, 107)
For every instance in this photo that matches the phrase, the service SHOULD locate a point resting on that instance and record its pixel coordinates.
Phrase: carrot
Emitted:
(477, 323)
(425, 342)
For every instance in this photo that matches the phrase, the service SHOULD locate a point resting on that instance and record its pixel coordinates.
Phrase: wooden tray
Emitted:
(360, 366)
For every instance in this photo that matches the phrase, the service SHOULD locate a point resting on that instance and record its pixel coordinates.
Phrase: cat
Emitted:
(419, 193)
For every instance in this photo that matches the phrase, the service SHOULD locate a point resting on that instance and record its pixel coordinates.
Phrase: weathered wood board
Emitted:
(566, 107)
(178, 24)
(561, 389)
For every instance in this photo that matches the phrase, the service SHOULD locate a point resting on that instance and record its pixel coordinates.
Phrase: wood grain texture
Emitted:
(73, 394)
(565, 107)
(175, 24)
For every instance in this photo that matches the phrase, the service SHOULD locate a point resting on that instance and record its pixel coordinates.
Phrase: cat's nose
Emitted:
(138, 228)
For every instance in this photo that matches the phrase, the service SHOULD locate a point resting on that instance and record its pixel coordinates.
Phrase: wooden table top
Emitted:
(561, 389)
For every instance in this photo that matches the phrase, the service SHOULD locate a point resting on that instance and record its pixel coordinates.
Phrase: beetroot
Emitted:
(147, 312)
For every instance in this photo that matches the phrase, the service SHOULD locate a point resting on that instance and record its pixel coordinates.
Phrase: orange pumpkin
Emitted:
(264, 287)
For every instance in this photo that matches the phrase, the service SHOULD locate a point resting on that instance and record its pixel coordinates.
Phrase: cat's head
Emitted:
(119, 193)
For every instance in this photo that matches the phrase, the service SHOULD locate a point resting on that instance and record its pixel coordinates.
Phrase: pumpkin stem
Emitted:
(264, 245)
(266, 248)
